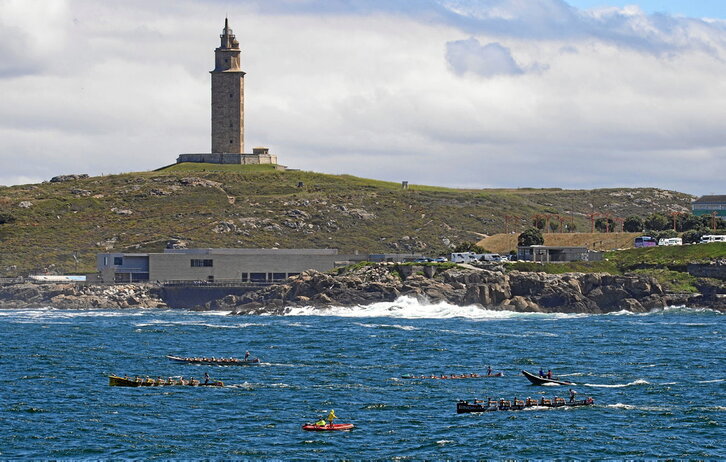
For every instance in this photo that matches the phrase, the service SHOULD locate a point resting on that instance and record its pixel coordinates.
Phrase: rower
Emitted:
(247, 355)
(489, 370)
(206, 378)
(549, 374)
(541, 372)
(332, 417)
(572, 395)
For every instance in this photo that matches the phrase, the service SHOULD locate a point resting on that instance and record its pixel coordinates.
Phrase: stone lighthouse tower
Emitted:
(228, 110)
(228, 96)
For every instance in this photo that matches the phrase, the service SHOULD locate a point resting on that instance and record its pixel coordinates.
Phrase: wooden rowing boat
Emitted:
(216, 361)
(453, 376)
(464, 407)
(116, 381)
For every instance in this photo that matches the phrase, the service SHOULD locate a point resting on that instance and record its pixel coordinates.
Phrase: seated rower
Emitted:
(321, 423)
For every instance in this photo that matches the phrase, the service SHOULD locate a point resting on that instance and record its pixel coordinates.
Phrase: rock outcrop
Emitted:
(75, 296)
(494, 290)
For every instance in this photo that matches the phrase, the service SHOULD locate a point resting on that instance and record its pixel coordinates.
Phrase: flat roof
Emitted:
(710, 200)
(223, 251)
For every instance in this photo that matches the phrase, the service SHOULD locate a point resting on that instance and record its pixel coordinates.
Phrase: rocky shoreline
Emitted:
(80, 296)
(492, 288)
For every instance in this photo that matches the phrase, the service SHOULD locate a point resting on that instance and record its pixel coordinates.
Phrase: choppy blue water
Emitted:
(658, 380)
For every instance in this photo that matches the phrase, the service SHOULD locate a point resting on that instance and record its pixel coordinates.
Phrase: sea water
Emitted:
(657, 380)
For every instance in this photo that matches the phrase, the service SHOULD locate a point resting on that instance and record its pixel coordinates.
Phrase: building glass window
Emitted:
(245, 277)
(118, 261)
(198, 263)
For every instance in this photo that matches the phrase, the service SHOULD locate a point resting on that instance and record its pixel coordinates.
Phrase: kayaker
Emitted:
(331, 417)
(572, 395)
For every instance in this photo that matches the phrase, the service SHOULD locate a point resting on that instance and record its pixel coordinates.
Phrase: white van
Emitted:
(712, 238)
(670, 241)
(491, 257)
(465, 257)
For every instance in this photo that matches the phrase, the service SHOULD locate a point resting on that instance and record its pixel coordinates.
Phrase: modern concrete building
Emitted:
(216, 265)
(228, 103)
(707, 205)
(550, 254)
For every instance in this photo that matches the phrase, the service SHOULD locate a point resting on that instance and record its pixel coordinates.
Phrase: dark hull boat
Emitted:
(537, 380)
(465, 407)
(116, 381)
(216, 361)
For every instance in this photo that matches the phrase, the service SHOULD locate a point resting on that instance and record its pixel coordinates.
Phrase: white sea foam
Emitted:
(411, 308)
(618, 385)
(394, 326)
(639, 408)
(711, 381)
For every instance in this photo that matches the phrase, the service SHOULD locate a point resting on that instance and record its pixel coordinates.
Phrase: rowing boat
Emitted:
(116, 381)
(327, 428)
(216, 361)
(464, 407)
(453, 376)
(536, 380)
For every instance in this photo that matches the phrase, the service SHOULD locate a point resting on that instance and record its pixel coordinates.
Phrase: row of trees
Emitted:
(661, 222)
(636, 224)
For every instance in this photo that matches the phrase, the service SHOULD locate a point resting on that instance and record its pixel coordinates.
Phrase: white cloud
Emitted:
(380, 89)
(469, 56)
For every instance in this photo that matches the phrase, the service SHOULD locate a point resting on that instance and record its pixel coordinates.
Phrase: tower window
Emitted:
(226, 60)
(230, 141)
(231, 95)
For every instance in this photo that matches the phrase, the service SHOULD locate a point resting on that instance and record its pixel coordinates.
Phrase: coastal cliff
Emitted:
(493, 289)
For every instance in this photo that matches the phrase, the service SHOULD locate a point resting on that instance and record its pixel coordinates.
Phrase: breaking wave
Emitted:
(411, 308)
(618, 385)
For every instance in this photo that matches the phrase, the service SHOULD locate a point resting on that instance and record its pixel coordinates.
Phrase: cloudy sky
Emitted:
(462, 93)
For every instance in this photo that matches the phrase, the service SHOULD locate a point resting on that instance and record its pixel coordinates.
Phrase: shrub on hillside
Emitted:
(531, 236)
(691, 222)
(605, 225)
(633, 224)
(692, 237)
(6, 218)
(657, 222)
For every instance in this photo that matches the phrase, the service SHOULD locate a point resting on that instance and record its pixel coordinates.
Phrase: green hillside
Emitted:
(61, 226)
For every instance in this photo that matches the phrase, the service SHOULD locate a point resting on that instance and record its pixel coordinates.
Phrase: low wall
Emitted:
(716, 271)
(192, 296)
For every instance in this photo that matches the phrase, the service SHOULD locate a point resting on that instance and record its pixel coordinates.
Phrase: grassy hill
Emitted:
(61, 226)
